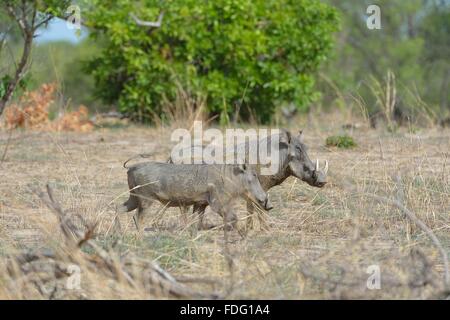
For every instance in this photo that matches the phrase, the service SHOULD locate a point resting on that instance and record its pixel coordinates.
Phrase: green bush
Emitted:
(258, 52)
(344, 142)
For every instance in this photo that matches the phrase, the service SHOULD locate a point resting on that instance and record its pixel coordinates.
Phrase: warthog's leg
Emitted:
(223, 205)
(143, 206)
(230, 220)
(229, 216)
(200, 209)
(184, 215)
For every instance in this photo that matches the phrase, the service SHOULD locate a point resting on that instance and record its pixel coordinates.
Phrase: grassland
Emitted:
(319, 244)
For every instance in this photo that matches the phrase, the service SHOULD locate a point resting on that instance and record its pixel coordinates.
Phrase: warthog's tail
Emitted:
(133, 201)
(141, 155)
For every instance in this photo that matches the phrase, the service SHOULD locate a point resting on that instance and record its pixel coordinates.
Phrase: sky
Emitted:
(58, 30)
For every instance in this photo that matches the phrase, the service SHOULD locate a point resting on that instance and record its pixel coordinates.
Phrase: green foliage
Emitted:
(435, 30)
(267, 49)
(62, 62)
(24, 18)
(342, 142)
(4, 82)
(22, 85)
(413, 43)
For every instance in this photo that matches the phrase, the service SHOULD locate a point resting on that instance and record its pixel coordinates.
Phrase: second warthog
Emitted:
(292, 160)
(197, 184)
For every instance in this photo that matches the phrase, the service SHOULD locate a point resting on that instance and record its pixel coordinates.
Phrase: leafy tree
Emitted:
(29, 16)
(413, 43)
(435, 30)
(255, 52)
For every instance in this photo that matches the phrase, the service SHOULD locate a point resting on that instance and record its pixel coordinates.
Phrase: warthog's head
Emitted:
(301, 166)
(251, 184)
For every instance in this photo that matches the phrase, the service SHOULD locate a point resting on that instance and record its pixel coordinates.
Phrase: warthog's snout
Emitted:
(320, 176)
(264, 202)
(320, 179)
(268, 205)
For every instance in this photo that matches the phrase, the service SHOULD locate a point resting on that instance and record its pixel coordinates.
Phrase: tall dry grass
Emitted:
(183, 110)
(320, 242)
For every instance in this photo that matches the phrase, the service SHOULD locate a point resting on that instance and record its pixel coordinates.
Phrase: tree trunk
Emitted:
(20, 72)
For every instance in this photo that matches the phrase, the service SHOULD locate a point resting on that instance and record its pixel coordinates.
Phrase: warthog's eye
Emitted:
(302, 148)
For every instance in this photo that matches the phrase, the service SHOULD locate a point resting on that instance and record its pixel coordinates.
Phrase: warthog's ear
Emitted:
(300, 135)
(240, 168)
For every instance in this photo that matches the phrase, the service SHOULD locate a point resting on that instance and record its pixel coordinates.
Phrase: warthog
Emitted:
(293, 160)
(182, 185)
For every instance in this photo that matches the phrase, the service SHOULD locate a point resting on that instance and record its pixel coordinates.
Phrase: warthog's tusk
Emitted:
(325, 170)
(317, 164)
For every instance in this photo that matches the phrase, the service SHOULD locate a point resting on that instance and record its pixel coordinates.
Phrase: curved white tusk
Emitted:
(317, 164)
(325, 170)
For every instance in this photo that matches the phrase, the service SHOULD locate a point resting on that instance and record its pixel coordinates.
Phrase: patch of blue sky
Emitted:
(60, 30)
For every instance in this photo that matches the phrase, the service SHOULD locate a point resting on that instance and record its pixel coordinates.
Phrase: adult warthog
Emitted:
(292, 160)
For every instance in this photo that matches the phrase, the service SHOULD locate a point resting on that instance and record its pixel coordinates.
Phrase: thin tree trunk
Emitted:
(19, 74)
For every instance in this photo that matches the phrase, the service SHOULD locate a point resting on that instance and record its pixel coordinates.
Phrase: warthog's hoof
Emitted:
(206, 226)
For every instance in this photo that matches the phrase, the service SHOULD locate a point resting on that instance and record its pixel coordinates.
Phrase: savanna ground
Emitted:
(320, 242)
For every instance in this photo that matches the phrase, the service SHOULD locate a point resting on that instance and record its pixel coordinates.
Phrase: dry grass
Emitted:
(32, 113)
(320, 242)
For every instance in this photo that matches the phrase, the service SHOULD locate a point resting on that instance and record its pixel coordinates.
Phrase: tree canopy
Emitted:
(246, 54)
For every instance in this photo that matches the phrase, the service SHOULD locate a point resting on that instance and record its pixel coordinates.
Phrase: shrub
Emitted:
(32, 112)
(344, 142)
(246, 54)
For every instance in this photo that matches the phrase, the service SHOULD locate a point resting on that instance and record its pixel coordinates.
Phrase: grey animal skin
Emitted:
(293, 161)
(182, 185)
